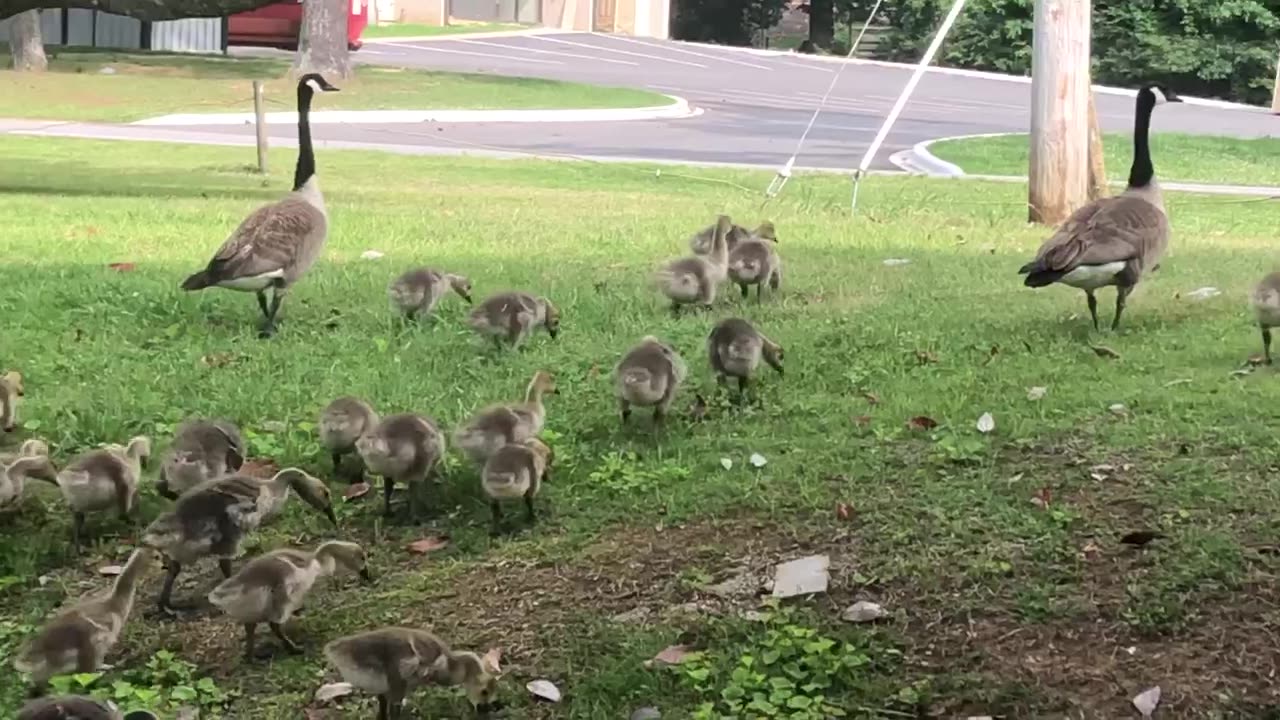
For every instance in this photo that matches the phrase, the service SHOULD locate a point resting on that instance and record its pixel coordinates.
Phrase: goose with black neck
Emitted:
(1115, 240)
(275, 245)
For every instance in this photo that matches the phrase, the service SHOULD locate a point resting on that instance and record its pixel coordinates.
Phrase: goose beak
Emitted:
(468, 299)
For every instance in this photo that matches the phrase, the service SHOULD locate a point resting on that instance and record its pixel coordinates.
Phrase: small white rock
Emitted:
(1118, 409)
(1036, 393)
(544, 689)
(891, 262)
(801, 577)
(370, 255)
(110, 570)
(986, 423)
(1147, 700)
(757, 460)
(332, 691)
(863, 611)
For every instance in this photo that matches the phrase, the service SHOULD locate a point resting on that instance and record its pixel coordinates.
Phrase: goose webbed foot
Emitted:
(1122, 295)
(1266, 344)
(290, 646)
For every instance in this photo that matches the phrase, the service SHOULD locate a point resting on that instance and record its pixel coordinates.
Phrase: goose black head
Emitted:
(1160, 93)
(316, 82)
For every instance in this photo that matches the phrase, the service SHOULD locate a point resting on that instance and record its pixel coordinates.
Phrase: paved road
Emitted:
(756, 106)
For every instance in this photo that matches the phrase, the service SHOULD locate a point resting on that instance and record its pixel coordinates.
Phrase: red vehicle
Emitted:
(277, 25)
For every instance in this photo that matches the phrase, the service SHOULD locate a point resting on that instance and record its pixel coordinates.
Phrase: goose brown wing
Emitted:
(1117, 229)
(266, 241)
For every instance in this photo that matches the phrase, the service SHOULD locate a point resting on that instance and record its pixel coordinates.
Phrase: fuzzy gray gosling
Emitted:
(515, 472)
(201, 450)
(497, 425)
(1265, 301)
(30, 447)
(695, 279)
(78, 638)
(342, 422)
(77, 707)
(649, 376)
(407, 448)
(735, 348)
(10, 390)
(419, 290)
(513, 316)
(390, 662)
(271, 587)
(755, 261)
(103, 479)
(702, 242)
(14, 477)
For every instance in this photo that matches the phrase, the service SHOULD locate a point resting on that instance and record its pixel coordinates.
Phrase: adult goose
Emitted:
(1112, 241)
(277, 243)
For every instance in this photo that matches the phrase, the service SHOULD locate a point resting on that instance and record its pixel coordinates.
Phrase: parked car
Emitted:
(277, 25)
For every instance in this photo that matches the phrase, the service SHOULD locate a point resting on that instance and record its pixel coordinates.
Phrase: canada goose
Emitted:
(703, 241)
(391, 661)
(648, 376)
(103, 479)
(78, 707)
(1265, 300)
(10, 390)
(202, 450)
(516, 471)
(418, 290)
(735, 349)
(696, 278)
(79, 637)
(276, 244)
(408, 448)
(30, 447)
(1114, 240)
(755, 262)
(270, 587)
(497, 425)
(213, 518)
(342, 422)
(513, 316)
(15, 474)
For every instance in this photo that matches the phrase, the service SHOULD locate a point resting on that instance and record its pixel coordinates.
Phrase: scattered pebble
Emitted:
(110, 570)
(1147, 700)
(757, 460)
(863, 611)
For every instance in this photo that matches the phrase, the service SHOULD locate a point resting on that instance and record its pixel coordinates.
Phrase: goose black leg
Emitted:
(1093, 307)
(1122, 294)
(1266, 343)
(269, 320)
(77, 531)
(388, 487)
(495, 509)
(166, 592)
(289, 645)
(224, 565)
(383, 712)
(529, 514)
(745, 291)
(626, 411)
(249, 630)
(396, 691)
(337, 462)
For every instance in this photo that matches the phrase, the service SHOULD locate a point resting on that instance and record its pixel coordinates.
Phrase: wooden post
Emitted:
(1059, 168)
(1275, 92)
(260, 125)
(1097, 158)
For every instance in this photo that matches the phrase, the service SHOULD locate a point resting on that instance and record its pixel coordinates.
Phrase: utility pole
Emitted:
(1275, 92)
(1059, 168)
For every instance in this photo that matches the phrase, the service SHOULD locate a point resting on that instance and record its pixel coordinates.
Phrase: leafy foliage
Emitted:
(1198, 47)
(727, 22)
(163, 685)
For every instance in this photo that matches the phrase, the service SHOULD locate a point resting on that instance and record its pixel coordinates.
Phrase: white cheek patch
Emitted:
(316, 86)
(1160, 98)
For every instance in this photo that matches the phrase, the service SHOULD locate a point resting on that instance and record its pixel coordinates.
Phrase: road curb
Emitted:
(465, 36)
(679, 109)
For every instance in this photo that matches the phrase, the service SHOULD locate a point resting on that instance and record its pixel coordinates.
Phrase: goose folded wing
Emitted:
(265, 242)
(1114, 230)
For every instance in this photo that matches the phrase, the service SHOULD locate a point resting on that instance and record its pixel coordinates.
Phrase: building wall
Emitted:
(427, 12)
(194, 35)
(90, 28)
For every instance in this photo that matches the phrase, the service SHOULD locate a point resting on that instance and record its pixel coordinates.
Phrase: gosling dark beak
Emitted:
(333, 518)
(8, 428)
(366, 576)
(553, 333)
(468, 299)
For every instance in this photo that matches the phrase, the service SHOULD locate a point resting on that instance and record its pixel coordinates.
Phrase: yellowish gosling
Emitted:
(14, 477)
(270, 587)
(419, 290)
(695, 279)
(648, 376)
(10, 390)
(103, 479)
(513, 316)
(1265, 301)
(408, 448)
(516, 471)
(212, 519)
(392, 661)
(342, 422)
(735, 348)
(497, 425)
(79, 637)
(201, 450)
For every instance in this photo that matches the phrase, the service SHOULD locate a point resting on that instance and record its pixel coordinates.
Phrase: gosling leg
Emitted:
(745, 291)
(1266, 343)
(626, 411)
(383, 713)
(529, 514)
(289, 645)
(249, 630)
(77, 531)
(388, 487)
(1093, 307)
(495, 527)
(166, 591)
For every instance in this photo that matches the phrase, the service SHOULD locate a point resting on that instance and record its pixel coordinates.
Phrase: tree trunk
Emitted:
(1097, 161)
(1058, 171)
(26, 44)
(322, 41)
(140, 9)
(822, 23)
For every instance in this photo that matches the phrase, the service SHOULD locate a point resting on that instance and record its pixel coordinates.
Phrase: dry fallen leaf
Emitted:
(1105, 352)
(925, 357)
(1119, 409)
(332, 691)
(121, 266)
(427, 544)
(356, 491)
(757, 460)
(370, 255)
(259, 467)
(110, 570)
(493, 659)
(726, 463)
(843, 511)
(216, 360)
(1256, 360)
(544, 689)
(1042, 498)
(1037, 392)
(862, 420)
(863, 611)
(922, 422)
(1140, 538)
(986, 423)
(1090, 550)
(1147, 700)
(673, 655)
(872, 398)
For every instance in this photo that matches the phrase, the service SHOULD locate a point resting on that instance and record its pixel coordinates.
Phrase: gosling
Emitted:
(419, 290)
(30, 447)
(103, 479)
(78, 707)
(1265, 300)
(513, 316)
(391, 661)
(755, 261)
(80, 637)
(497, 425)
(701, 243)
(695, 279)
(10, 390)
(342, 422)
(14, 477)
(649, 376)
(271, 587)
(516, 471)
(202, 450)
(408, 448)
(735, 348)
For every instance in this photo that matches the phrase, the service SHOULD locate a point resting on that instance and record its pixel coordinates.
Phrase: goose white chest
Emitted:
(1092, 277)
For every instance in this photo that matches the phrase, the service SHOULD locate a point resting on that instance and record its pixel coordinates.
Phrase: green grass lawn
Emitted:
(998, 606)
(150, 84)
(1191, 158)
(394, 30)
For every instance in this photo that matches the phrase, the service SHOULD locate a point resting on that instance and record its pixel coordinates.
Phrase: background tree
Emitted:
(726, 22)
(322, 43)
(140, 9)
(26, 43)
